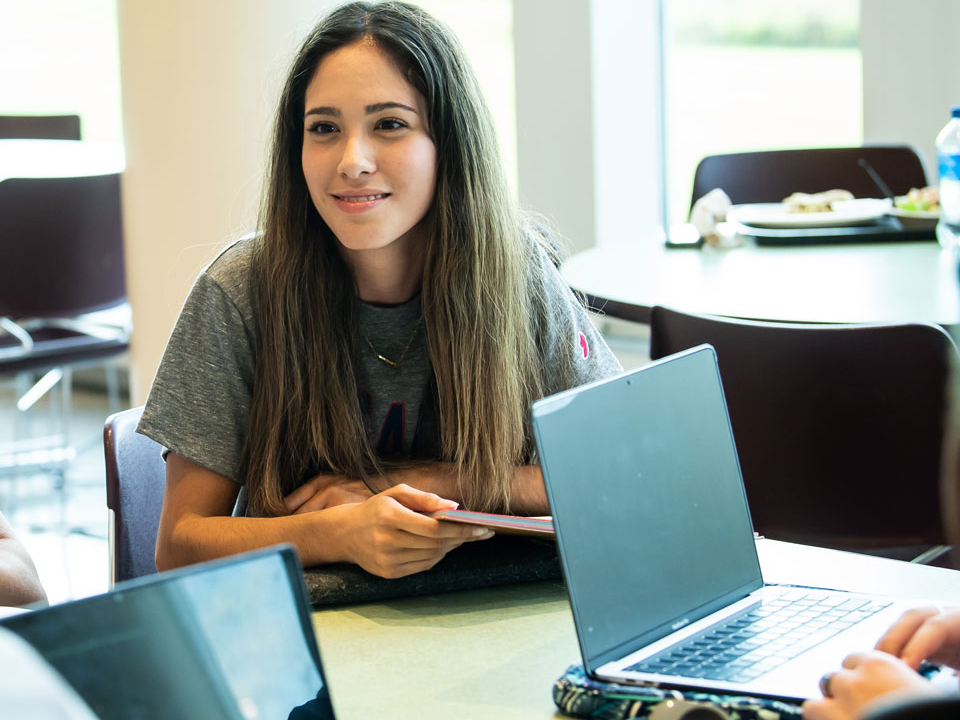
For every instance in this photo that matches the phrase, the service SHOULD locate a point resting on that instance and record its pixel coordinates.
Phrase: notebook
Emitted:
(230, 639)
(657, 546)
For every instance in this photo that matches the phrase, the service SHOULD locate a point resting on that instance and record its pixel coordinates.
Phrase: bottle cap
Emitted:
(955, 111)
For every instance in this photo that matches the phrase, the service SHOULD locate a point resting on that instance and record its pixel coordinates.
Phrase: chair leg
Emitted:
(63, 429)
(929, 557)
(20, 420)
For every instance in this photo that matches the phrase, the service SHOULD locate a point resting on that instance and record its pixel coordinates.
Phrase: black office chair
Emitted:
(838, 427)
(40, 127)
(62, 262)
(772, 175)
(136, 474)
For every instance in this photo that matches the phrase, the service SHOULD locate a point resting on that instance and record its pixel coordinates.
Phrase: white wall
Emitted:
(587, 123)
(199, 83)
(911, 71)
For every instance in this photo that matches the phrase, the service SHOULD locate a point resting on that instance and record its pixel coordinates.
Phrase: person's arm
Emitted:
(386, 534)
(527, 493)
(19, 581)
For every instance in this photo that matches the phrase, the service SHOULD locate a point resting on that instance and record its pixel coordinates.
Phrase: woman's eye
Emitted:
(390, 124)
(321, 128)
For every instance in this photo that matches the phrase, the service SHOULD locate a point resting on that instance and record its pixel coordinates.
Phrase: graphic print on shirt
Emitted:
(393, 429)
(366, 403)
(391, 436)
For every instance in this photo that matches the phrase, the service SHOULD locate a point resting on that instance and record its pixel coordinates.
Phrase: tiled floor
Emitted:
(65, 530)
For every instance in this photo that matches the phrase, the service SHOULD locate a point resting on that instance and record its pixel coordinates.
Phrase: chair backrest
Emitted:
(40, 127)
(838, 427)
(62, 246)
(136, 474)
(772, 175)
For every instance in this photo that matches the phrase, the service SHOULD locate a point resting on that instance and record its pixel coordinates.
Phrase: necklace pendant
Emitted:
(388, 361)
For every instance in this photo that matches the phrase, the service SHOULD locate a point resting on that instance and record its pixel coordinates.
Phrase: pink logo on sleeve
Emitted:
(584, 348)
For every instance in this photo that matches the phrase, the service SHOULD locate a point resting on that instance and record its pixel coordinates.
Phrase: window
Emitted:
(62, 58)
(751, 75)
(485, 28)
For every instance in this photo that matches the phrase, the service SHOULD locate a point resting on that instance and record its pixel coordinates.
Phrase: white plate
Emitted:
(775, 215)
(915, 219)
(914, 214)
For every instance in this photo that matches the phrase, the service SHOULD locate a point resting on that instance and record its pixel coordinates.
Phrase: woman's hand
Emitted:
(927, 633)
(388, 535)
(326, 490)
(865, 677)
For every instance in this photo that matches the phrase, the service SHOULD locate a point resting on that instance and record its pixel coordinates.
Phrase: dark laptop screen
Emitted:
(230, 639)
(649, 507)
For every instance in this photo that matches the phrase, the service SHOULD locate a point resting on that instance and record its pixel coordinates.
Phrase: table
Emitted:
(495, 652)
(882, 282)
(59, 158)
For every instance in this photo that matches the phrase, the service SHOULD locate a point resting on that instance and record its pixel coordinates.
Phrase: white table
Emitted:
(59, 158)
(883, 282)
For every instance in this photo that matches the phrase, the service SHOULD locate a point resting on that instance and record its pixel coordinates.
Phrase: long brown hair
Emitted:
(482, 294)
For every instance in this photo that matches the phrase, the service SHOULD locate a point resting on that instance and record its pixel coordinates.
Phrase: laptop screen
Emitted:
(648, 502)
(228, 639)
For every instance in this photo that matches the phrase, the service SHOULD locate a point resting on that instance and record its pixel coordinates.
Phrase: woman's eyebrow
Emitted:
(323, 110)
(379, 107)
(369, 109)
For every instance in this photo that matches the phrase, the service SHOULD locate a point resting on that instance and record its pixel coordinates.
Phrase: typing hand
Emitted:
(927, 633)
(388, 534)
(865, 677)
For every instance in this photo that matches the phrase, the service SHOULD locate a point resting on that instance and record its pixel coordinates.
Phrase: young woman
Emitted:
(372, 353)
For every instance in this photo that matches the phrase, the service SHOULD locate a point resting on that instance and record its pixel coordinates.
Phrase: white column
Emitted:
(199, 83)
(911, 71)
(588, 117)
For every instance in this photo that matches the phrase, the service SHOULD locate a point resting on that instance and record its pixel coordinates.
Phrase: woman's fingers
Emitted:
(436, 531)
(305, 492)
(392, 539)
(423, 542)
(315, 502)
(418, 500)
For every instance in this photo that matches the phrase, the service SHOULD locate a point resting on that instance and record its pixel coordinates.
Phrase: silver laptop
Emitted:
(230, 639)
(657, 544)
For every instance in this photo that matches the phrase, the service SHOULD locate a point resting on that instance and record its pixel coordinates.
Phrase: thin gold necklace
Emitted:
(388, 361)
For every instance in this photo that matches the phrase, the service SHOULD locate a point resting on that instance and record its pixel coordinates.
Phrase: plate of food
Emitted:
(833, 208)
(919, 208)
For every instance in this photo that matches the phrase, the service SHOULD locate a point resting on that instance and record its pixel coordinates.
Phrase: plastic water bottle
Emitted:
(948, 160)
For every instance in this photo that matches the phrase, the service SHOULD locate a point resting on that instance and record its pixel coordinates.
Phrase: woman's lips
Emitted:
(358, 203)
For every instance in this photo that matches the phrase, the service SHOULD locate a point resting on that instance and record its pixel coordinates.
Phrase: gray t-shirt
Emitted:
(199, 403)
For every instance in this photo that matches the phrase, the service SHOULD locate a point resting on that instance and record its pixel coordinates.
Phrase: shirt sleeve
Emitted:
(199, 403)
(575, 352)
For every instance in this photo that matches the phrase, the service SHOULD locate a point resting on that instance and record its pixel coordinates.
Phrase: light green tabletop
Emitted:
(491, 653)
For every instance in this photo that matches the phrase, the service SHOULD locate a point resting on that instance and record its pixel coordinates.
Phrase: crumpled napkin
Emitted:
(708, 215)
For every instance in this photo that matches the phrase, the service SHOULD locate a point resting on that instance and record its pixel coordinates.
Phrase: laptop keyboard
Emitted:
(762, 637)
